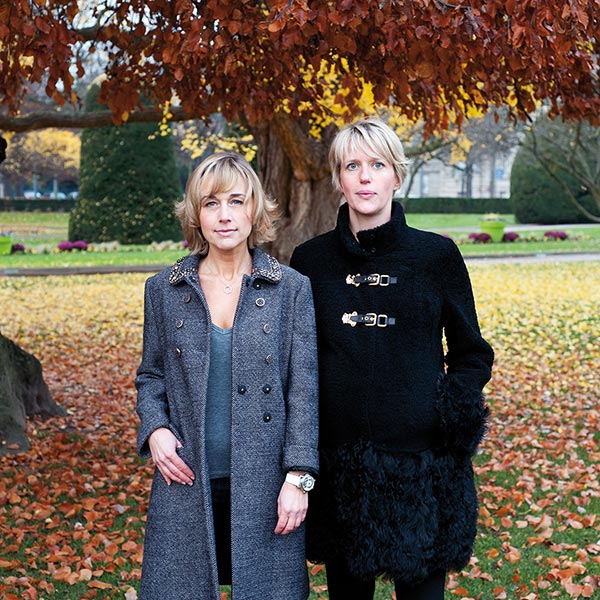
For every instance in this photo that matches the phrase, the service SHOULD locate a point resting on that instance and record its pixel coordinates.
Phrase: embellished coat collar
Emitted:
(264, 267)
(371, 242)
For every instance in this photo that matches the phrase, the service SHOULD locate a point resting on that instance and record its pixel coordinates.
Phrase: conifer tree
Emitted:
(128, 184)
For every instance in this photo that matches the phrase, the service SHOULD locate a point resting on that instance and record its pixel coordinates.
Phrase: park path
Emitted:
(534, 258)
(106, 269)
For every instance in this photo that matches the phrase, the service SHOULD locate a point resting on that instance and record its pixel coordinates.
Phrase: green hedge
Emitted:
(457, 205)
(128, 184)
(36, 205)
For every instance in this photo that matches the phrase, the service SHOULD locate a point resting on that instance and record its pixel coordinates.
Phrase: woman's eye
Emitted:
(351, 166)
(378, 165)
(237, 201)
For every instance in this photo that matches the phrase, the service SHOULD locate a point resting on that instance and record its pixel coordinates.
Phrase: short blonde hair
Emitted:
(222, 171)
(373, 137)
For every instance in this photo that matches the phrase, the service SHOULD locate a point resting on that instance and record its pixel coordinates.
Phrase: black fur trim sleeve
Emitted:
(463, 414)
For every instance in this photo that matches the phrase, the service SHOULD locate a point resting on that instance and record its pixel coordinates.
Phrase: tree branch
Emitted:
(80, 120)
(534, 150)
(90, 33)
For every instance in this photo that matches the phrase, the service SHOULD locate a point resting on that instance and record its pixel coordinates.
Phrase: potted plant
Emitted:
(493, 224)
(5, 243)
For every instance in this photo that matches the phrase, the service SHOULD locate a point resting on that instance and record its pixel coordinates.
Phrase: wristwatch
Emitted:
(304, 482)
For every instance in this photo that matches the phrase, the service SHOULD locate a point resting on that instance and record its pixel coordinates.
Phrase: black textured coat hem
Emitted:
(401, 515)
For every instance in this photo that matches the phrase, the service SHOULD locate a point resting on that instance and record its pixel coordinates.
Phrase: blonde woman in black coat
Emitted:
(400, 418)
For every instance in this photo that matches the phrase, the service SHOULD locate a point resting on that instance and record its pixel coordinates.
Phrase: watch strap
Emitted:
(304, 482)
(293, 479)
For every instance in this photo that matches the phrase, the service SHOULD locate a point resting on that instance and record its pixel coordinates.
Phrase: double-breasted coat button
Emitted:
(186, 298)
(241, 389)
(260, 302)
(267, 328)
(267, 388)
(268, 358)
(267, 417)
(179, 323)
(178, 352)
(256, 285)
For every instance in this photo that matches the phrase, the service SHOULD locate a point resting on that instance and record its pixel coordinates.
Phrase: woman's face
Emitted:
(368, 184)
(226, 217)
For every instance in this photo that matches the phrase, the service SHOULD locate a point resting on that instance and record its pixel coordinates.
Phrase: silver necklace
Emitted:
(228, 287)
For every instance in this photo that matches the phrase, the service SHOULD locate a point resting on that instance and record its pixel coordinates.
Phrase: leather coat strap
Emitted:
(372, 279)
(368, 319)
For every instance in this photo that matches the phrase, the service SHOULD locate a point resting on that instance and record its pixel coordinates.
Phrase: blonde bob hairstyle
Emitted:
(220, 173)
(374, 138)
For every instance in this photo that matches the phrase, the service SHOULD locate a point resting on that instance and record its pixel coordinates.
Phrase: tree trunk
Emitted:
(294, 170)
(468, 180)
(492, 188)
(23, 393)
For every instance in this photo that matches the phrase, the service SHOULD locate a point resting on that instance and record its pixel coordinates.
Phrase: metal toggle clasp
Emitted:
(372, 279)
(347, 318)
(374, 319)
(382, 280)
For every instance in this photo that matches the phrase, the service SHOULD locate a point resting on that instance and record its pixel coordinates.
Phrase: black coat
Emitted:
(400, 418)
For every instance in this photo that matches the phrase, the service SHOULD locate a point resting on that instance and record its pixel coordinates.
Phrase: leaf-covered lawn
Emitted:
(72, 509)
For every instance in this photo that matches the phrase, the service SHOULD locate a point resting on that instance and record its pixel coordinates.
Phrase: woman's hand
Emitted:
(163, 447)
(292, 505)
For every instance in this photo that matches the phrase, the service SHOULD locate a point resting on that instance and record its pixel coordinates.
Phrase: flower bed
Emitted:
(513, 236)
(82, 246)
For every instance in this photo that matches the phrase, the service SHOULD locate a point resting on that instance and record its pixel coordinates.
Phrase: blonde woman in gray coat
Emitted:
(227, 399)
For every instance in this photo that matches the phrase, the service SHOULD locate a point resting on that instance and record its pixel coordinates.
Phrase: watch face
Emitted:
(307, 482)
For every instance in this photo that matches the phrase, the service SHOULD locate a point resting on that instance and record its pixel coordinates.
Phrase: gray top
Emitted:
(218, 404)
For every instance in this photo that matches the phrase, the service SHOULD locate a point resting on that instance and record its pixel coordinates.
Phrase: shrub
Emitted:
(556, 235)
(128, 184)
(510, 236)
(480, 238)
(538, 198)
(65, 246)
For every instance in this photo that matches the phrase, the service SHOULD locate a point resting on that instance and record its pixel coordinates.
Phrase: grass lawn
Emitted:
(439, 221)
(88, 259)
(33, 229)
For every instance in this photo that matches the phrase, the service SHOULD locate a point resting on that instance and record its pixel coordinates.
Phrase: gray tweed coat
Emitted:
(274, 428)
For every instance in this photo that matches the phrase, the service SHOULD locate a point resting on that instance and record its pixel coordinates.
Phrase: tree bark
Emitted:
(23, 393)
(294, 170)
(82, 120)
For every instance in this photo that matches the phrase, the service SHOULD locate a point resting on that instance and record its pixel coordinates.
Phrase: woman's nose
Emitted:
(365, 174)
(224, 214)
